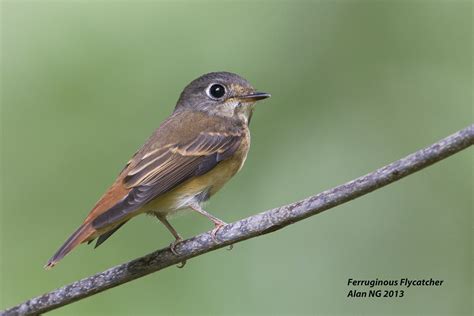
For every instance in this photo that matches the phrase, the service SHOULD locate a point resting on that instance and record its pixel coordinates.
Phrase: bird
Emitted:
(186, 160)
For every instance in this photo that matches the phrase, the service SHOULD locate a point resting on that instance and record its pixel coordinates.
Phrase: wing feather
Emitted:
(160, 170)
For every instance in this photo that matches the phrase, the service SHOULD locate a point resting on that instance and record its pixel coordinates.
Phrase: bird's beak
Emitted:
(256, 96)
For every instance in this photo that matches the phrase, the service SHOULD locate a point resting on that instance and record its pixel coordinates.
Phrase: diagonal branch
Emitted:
(246, 228)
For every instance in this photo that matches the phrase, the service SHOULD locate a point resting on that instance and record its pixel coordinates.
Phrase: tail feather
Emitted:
(82, 234)
(106, 235)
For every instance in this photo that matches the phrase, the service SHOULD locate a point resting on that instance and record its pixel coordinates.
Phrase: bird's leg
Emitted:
(217, 222)
(176, 235)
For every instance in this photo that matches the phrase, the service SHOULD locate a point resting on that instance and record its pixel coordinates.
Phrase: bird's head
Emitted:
(222, 94)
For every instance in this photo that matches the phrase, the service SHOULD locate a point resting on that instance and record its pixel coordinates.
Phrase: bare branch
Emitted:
(250, 227)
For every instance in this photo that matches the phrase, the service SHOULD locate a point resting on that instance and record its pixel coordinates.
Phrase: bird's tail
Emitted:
(82, 234)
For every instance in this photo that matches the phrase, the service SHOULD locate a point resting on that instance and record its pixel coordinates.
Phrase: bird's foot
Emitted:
(173, 250)
(218, 224)
(174, 244)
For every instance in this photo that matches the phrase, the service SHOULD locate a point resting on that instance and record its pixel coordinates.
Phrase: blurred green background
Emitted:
(355, 85)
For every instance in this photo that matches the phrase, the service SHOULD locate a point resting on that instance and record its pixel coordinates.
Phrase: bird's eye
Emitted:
(216, 91)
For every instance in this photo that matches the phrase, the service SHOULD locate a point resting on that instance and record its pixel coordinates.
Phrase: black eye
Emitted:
(216, 91)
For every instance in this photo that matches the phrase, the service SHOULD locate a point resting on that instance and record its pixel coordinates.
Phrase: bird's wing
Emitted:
(161, 169)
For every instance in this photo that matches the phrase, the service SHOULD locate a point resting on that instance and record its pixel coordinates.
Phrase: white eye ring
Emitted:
(216, 91)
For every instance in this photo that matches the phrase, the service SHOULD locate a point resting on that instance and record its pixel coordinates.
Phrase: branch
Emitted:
(247, 228)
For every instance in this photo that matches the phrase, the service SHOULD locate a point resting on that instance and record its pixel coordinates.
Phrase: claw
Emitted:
(218, 225)
(216, 230)
(173, 250)
(173, 246)
(181, 264)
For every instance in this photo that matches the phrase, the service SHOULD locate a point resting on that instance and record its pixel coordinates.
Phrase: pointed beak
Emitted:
(256, 96)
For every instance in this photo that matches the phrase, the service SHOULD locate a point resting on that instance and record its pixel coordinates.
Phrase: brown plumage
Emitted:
(186, 160)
